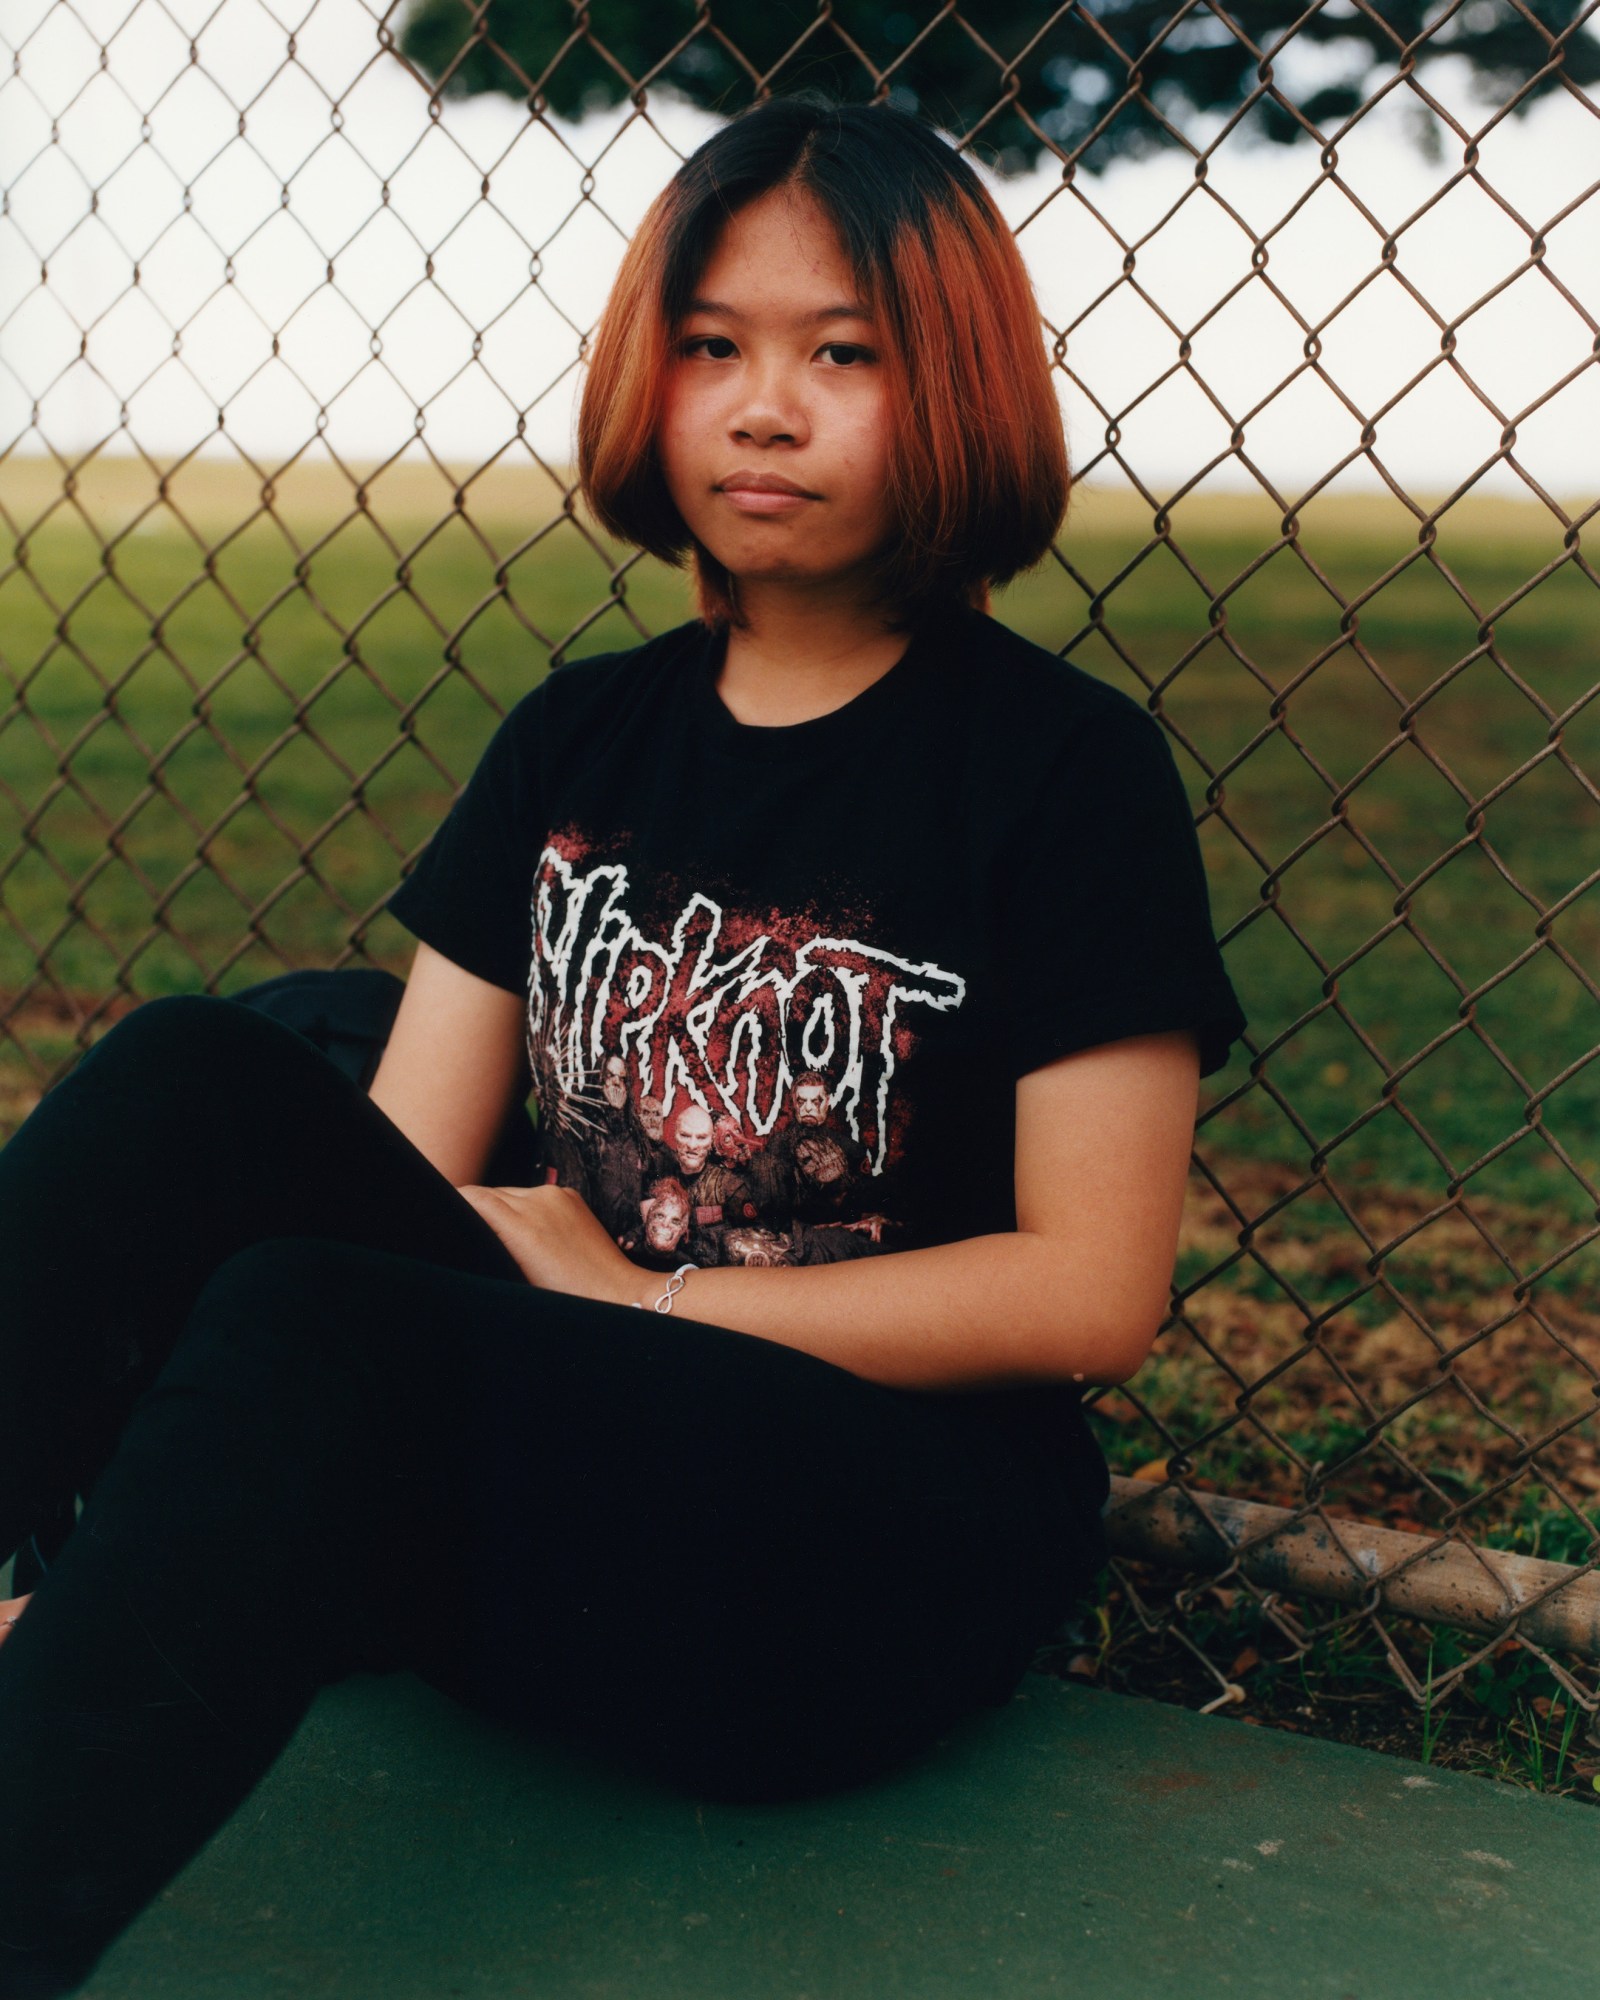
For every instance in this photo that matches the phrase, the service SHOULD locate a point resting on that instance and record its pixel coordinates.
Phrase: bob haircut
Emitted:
(978, 467)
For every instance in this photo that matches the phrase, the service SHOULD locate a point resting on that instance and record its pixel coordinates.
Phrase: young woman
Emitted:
(858, 957)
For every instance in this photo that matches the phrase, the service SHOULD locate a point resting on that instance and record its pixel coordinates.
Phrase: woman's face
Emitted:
(777, 374)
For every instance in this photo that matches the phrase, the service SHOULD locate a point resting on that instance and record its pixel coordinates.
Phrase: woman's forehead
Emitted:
(779, 255)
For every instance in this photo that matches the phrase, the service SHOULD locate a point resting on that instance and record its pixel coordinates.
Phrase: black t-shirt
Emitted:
(781, 981)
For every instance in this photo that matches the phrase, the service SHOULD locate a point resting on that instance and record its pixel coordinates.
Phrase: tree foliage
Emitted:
(1111, 78)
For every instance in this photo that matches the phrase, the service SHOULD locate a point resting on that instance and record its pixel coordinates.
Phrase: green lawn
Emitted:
(164, 821)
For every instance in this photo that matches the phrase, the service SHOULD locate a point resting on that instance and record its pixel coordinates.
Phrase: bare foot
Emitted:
(11, 1609)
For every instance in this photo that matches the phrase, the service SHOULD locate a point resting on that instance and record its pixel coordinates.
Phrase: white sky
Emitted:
(342, 117)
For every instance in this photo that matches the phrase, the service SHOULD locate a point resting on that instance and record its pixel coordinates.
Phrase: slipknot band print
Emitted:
(721, 1087)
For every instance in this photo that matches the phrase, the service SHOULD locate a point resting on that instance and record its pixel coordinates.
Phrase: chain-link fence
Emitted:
(290, 319)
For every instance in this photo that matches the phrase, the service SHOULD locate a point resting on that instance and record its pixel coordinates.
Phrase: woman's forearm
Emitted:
(1014, 1307)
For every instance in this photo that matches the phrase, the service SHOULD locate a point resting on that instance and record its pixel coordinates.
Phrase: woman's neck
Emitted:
(790, 663)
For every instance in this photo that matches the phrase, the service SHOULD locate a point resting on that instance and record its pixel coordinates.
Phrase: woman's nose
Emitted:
(770, 410)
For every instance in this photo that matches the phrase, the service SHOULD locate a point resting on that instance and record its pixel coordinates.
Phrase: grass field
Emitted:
(224, 730)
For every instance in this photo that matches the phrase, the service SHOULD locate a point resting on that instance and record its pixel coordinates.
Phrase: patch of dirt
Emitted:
(1507, 1719)
(1408, 1383)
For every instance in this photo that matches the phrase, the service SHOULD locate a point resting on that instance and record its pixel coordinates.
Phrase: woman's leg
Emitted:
(194, 1128)
(739, 1564)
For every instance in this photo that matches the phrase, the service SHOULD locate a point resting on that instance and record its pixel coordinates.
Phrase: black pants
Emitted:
(323, 1426)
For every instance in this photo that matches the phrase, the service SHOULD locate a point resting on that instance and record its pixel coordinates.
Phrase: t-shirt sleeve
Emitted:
(1105, 919)
(470, 893)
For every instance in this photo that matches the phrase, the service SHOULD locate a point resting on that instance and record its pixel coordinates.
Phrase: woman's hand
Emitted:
(11, 1609)
(558, 1241)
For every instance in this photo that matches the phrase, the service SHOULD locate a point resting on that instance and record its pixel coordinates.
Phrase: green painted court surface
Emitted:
(1074, 1843)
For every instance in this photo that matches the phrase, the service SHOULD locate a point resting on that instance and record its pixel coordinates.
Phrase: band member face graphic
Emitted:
(820, 1159)
(810, 1102)
(614, 1081)
(691, 1138)
(666, 1216)
(730, 1142)
(757, 1247)
(650, 1118)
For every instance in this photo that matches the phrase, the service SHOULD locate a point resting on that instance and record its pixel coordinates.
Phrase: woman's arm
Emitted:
(454, 1065)
(1078, 1291)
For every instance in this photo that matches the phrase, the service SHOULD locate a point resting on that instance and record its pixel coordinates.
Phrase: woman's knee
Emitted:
(197, 1072)
(175, 1020)
(182, 1035)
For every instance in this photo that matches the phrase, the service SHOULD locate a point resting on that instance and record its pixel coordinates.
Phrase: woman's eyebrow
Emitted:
(845, 311)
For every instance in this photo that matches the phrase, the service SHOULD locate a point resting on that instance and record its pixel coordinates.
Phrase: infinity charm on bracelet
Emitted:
(675, 1284)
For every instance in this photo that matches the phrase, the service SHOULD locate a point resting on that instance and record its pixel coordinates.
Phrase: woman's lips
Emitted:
(750, 490)
(748, 500)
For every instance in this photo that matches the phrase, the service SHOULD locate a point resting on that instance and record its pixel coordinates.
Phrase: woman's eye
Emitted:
(718, 347)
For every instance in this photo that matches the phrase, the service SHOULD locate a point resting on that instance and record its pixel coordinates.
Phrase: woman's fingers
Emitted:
(557, 1241)
(11, 1609)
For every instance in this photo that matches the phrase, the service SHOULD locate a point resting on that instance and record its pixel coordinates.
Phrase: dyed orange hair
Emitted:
(978, 463)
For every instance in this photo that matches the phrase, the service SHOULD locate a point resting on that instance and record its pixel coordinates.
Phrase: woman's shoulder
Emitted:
(1025, 694)
(598, 680)
(578, 701)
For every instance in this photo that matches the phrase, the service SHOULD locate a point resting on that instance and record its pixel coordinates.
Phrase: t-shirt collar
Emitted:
(862, 715)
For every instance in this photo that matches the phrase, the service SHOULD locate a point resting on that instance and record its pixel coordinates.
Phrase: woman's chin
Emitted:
(767, 569)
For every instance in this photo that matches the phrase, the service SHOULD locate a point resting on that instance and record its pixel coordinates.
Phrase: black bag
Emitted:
(347, 1014)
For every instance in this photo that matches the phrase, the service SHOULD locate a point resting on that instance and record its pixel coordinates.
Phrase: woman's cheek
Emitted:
(675, 441)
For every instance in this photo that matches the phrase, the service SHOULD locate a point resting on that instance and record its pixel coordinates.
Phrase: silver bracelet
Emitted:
(675, 1284)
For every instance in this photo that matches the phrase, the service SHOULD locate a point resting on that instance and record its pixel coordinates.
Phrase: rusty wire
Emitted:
(43, 997)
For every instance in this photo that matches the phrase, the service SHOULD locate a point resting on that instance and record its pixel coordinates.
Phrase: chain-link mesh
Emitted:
(244, 680)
